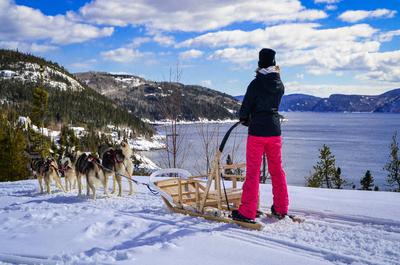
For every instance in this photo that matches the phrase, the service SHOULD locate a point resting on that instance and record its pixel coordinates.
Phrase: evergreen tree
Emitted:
(13, 161)
(393, 166)
(38, 143)
(338, 181)
(68, 138)
(367, 182)
(324, 170)
(91, 141)
(315, 180)
(40, 105)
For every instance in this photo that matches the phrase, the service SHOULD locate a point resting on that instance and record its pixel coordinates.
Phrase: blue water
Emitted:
(359, 141)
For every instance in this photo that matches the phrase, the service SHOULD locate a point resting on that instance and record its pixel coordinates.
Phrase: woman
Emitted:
(259, 111)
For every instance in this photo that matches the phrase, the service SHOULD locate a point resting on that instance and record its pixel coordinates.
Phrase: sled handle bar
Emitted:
(222, 145)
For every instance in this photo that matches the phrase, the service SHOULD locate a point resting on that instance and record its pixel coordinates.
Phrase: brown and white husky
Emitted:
(67, 169)
(51, 174)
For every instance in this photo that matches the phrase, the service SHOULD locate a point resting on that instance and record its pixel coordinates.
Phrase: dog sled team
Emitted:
(74, 165)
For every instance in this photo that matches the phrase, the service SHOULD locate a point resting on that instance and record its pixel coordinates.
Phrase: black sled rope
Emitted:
(154, 192)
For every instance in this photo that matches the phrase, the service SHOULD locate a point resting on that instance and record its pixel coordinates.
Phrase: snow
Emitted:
(231, 110)
(130, 81)
(143, 144)
(342, 227)
(7, 73)
(31, 72)
(145, 162)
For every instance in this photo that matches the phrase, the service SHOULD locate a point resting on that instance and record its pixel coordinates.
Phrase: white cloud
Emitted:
(319, 50)
(285, 36)
(27, 47)
(191, 15)
(206, 83)
(164, 40)
(25, 24)
(83, 65)
(388, 36)
(236, 55)
(331, 7)
(137, 42)
(190, 54)
(122, 55)
(326, 1)
(357, 15)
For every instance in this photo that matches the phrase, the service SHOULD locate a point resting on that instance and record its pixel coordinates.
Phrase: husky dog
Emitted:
(37, 166)
(67, 170)
(51, 173)
(119, 163)
(89, 166)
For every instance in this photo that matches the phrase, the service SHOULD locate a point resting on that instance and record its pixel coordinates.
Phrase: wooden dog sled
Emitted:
(200, 196)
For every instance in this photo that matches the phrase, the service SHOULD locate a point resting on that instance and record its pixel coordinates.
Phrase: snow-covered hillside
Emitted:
(342, 227)
(30, 72)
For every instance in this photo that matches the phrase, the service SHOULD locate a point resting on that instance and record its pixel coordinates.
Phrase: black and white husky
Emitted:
(37, 167)
(46, 170)
(89, 166)
(118, 162)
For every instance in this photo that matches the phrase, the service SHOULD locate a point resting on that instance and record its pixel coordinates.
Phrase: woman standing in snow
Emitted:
(259, 111)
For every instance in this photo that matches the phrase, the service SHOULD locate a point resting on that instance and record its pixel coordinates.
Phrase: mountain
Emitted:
(153, 100)
(298, 102)
(69, 99)
(386, 102)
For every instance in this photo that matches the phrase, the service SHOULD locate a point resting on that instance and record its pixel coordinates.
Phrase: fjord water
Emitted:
(359, 141)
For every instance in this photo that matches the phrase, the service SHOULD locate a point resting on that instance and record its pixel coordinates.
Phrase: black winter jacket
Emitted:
(261, 103)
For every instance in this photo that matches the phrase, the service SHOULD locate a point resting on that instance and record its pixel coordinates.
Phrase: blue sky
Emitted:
(323, 46)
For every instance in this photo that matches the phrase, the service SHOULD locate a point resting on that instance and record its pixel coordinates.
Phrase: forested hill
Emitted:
(154, 100)
(386, 102)
(69, 100)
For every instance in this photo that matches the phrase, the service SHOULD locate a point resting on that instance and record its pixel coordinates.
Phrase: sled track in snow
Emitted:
(335, 238)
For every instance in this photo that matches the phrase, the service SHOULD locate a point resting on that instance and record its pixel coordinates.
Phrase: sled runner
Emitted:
(201, 196)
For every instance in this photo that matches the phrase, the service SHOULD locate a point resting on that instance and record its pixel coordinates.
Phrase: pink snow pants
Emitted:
(256, 146)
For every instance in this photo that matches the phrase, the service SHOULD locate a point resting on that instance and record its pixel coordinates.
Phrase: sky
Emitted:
(323, 47)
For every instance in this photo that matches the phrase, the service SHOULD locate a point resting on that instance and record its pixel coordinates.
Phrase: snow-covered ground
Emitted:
(342, 227)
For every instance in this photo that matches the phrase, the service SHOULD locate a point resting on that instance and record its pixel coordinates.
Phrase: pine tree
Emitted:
(38, 143)
(367, 182)
(338, 181)
(315, 180)
(324, 171)
(13, 162)
(68, 138)
(39, 111)
(393, 166)
(40, 106)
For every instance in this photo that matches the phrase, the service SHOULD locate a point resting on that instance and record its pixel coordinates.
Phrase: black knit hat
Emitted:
(266, 58)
